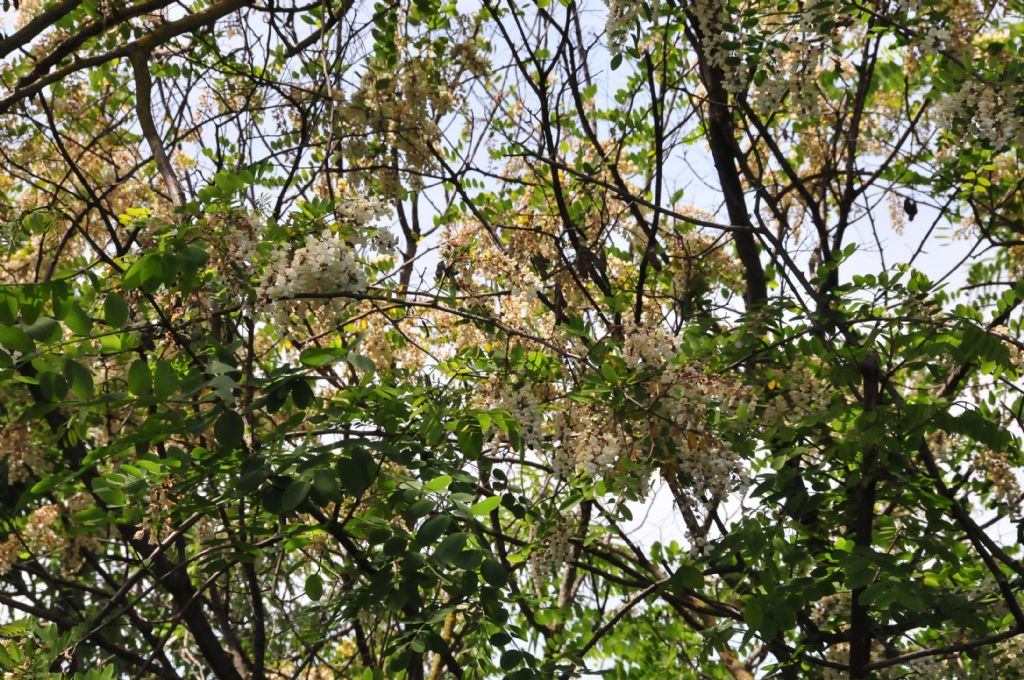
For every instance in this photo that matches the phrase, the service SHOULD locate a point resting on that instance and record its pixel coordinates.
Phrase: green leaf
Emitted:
(302, 393)
(511, 658)
(44, 329)
(18, 628)
(293, 496)
(16, 339)
(92, 515)
(485, 506)
(52, 385)
(362, 363)
(977, 426)
(250, 480)
(38, 221)
(110, 495)
(471, 439)
(358, 472)
(438, 483)
(420, 508)
(79, 378)
(9, 306)
(493, 573)
(165, 380)
(315, 357)
(115, 311)
(314, 586)
(78, 321)
(450, 547)
(147, 272)
(45, 484)
(230, 430)
(140, 381)
(753, 613)
(325, 483)
(432, 529)
(687, 576)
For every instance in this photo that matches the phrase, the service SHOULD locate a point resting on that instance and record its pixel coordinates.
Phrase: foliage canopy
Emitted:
(352, 340)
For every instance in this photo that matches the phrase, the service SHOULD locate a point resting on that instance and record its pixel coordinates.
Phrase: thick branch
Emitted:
(147, 42)
(144, 108)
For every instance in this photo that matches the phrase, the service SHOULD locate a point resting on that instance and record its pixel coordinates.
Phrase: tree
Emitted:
(351, 341)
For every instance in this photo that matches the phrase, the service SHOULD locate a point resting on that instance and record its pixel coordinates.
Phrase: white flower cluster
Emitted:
(647, 347)
(359, 211)
(23, 457)
(698, 257)
(699, 546)
(908, 6)
(157, 514)
(399, 106)
(39, 530)
(234, 236)
(547, 562)
(71, 558)
(326, 262)
(375, 343)
(984, 111)
(1004, 484)
(79, 502)
(383, 241)
(622, 14)
(205, 530)
(941, 444)
(797, 394)
(241, 233)
(522, 404)
(10, 550)
(930, 667)
(562, 462)
(832, 609)
(590, 441)
(683, 398)
(769, 95)
(524, 284)
(934, 39)
(795, 73)
(711, 464)
(833, 613)
(675, 434)
(43, 535)
(470, 54)
(711, 20)
(323, 264)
